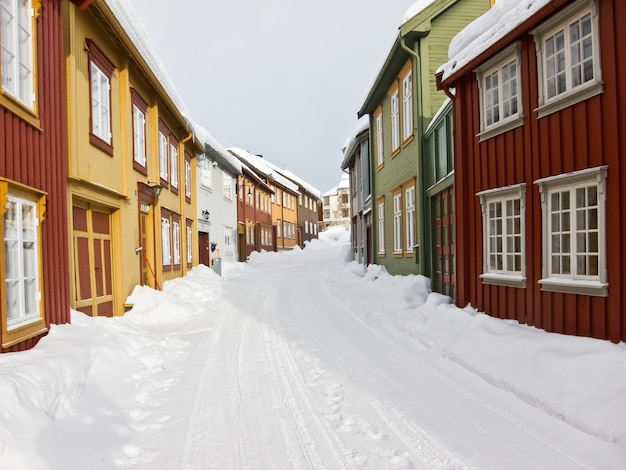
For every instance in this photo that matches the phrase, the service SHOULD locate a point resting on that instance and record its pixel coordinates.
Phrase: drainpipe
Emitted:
(419, 132)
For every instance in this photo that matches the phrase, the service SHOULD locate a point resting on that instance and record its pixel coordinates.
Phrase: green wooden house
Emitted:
(401, 105)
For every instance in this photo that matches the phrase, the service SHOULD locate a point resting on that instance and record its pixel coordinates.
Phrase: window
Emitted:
(229, 240)
(22, 308)
(173, 166)
(379, 138)
(228, 186)
(395, 122)
(568, 57)
(16, 25)
(504, 235)
(189, 242)
(100, 73)
(166, 246)
(397, 223)
(187, 177)
(499, 87)
(163, 157)
(381, 227)
(409, 204)
(176, 242)
(574, 232)
(139, 110)
(279, 229)
(407, 106)
(206, 173)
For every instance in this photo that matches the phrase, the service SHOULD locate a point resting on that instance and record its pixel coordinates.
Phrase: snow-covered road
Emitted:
(300, 373)
(304, 361)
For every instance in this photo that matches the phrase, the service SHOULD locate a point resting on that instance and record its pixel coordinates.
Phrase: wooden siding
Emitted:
(585, 135)
(37, 158)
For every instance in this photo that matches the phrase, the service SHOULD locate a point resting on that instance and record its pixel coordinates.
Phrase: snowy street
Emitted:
(302, 361)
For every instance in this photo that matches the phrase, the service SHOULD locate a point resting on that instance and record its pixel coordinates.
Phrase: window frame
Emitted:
(505, 277)
(572, 94)
(398, 235)
(173, 160)
(227, 184)
(595, 285)
(138, 104)
(97, 59)
(166, 240)
(407, 106)
(189, 244)
(164, 155)
(24, 104)
(188, 187)
(394, 107)
(495, 66)
(380, 204)
(409, 217)
(35, 324)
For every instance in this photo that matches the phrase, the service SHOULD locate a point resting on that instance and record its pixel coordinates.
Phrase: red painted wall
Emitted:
(587, 134)
(37, 158)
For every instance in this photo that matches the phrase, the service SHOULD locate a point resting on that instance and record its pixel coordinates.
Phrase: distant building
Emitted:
(336, 204)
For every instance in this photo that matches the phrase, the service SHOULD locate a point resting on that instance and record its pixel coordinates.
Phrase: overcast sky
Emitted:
(281, 78)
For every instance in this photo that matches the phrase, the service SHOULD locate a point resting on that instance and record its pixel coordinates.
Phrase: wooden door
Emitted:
(91, 233)
(204, 249)
(444, 243)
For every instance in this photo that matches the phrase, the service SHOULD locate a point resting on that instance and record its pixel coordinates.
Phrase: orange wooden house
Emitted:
(539, 118)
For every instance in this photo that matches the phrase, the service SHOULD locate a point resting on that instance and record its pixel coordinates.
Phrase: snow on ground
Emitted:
(305, 360)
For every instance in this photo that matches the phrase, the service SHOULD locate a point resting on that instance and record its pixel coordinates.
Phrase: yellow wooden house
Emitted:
(131, 163)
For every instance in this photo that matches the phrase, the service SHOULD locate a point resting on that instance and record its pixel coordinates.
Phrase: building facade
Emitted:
(539, 116)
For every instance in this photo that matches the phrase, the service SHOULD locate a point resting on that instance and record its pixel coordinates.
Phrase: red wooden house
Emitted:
(540, 119)
(34, 273)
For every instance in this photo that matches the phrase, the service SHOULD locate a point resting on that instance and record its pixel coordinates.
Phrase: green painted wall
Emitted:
(449, 17)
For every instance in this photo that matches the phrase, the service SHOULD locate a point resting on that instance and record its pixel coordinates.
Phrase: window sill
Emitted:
(101, 144)
(494, 279)
(408, 140)
(501, 128)
(23, 332)
(395, 153)
(569, 286)
(569, 99)
(18, 109)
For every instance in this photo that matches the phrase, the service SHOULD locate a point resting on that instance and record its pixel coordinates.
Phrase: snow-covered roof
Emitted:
(344, 183)
(348, 147)
(299, 181)
(416, 9)
(218, 153)
(260, 165)
(130, 23)
(477, 37)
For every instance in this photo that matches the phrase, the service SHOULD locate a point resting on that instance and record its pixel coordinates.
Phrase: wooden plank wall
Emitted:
(37, 158)
(588, 134)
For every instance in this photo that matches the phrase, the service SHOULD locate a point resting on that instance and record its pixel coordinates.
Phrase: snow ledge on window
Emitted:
(570, 286)
(497, 279)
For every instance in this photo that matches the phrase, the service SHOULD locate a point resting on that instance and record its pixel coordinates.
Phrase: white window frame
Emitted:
(189, 244)
(228, 186)
(407, 106)
(500, 234)
(395, 121)
(139, 135)
(495, 98)
(176, 242)
(279, 229)
(187, 178)
(24, 277)
(166, 245)
(18, 63)
(229, 240)
(381, 227)
(573, 282)
(572, 93)
(173, 166)
(379, 139)
(397, 223)
(100, 103)
(409, 210)
(163, 156)
(206, 174)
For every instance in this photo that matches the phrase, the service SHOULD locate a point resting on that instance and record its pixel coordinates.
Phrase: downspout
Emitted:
(419, 131)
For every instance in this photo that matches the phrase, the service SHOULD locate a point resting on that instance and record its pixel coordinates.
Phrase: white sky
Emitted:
(305, 361)
(280, 78)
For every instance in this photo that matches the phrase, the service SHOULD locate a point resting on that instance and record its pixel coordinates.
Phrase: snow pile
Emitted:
(116, 392)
